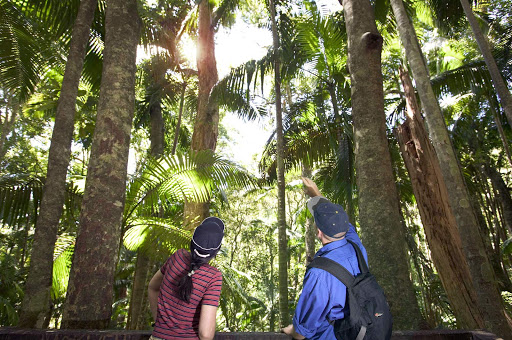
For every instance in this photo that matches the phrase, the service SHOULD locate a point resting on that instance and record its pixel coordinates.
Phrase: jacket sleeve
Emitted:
(315, 303)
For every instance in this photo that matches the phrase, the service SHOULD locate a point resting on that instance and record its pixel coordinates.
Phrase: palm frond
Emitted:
(17, 196)
(191, 176)
(62, 258)
(156, 237)
(20, 60)
(463, 79)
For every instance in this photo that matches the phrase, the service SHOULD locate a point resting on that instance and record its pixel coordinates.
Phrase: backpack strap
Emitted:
(333, 267)
(363, 266)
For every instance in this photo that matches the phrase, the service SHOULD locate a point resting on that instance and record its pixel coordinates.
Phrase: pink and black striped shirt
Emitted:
(177, 319)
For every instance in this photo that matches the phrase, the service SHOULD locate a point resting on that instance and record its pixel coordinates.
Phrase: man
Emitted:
(323, 296)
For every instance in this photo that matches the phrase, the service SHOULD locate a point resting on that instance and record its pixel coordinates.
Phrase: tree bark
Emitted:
(497, 79)
(89, 297)
(380, 219)
(36, 303)
(488, 296)
(157, 130)
(310, 235)
(138, 307)
(284, 314)
(438, 220)
(180, 115)
(206, 125)
(139, 288)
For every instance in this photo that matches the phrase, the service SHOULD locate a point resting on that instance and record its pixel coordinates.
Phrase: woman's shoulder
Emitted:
(213, 272)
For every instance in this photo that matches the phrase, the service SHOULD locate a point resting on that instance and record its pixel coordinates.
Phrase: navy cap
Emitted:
(208, 237)
(330, 218)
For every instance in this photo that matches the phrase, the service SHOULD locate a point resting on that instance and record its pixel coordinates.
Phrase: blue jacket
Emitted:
(323, 296)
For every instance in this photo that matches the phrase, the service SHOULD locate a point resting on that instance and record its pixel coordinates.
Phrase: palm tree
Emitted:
(102, 206)
(281, 185)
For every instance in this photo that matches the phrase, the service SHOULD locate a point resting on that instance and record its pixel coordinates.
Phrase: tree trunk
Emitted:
(504, 197)
(36, 304)
(380, 220)
(438, 220)
(344, 147)
(89, 297)
(281, 190)
(488, 296)
(206, 125)
(497, 79)
(499, 126)
(180, 115)
(157, 130)
(310, 235)
(139, 288)
(138, 307)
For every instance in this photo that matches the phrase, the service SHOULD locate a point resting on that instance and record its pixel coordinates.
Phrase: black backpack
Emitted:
(368, 316)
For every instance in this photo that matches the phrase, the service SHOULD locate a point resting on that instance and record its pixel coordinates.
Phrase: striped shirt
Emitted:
(177, 319)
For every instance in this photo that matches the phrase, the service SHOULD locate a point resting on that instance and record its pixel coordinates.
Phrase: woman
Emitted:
(184, 293)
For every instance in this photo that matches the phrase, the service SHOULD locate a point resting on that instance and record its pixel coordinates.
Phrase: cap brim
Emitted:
(314, 201)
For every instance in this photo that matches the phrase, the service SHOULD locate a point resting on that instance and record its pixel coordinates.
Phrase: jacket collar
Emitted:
(330, 246)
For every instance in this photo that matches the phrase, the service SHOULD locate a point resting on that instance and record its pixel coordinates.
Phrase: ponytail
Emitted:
(185, 284)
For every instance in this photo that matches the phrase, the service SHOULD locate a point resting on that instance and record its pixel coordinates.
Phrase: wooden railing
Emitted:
(68, 334)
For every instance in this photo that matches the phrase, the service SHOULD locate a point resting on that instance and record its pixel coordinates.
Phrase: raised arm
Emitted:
(310, 187)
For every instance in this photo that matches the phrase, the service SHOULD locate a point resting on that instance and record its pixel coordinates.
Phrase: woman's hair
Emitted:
(205, 244)
(185, 284)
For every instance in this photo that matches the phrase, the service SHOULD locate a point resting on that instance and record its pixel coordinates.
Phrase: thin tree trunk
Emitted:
(89, 297)
(36, 303)
(497, 79)
(180, 115)
(206, 125)
(497, 120)
(157, 130)
(495, 257)
(380, 220)
(438, 220)
(281, 195)
(138, 307)
(344, 146)
(488, 296)
(138, 291)
(503, 194)
(310, 236)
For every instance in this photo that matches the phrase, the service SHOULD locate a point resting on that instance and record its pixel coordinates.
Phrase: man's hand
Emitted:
(290, 330)
(310, 187)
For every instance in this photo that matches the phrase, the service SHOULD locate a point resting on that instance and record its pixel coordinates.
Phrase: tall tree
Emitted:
(497, 79)
(206, 123)
(99, 235)
(284, 314)
(36, 304)
(438, 220)
(381, 226)
(489, 298)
